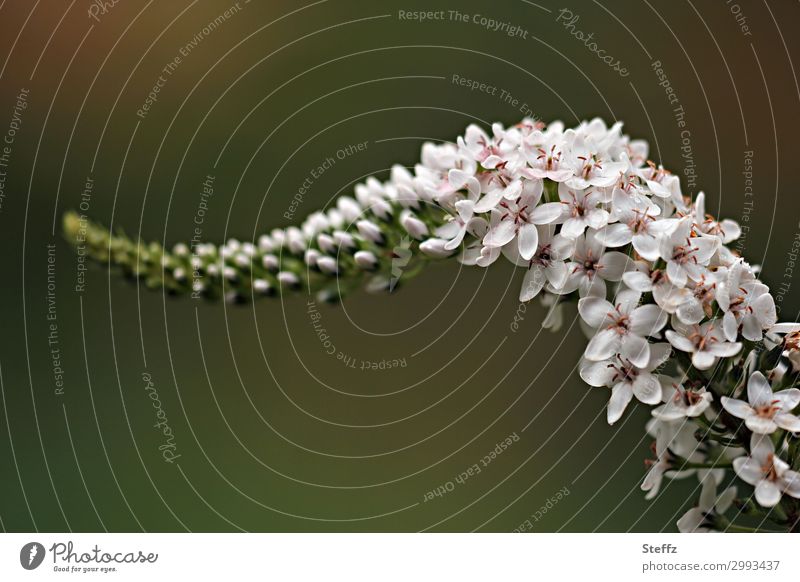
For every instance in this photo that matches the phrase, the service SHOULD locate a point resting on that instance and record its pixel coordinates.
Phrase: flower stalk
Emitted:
(675, 318)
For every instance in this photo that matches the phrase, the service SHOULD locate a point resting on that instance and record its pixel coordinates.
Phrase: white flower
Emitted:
(704, 341)
(623, 328)
(765, 411)
(665, 185)
(680, 402)
(456, 229)
(699, 301)
(686, 255)
(544, 153)
(767, 472)
(591, 267)
(701, 519)
(726, 230)
(638, 224)
(577, 210)
(786, 335)
(626, 380)
(546, 265)
(747, 304)
(516, 218)
(591, 167)
(667, 296)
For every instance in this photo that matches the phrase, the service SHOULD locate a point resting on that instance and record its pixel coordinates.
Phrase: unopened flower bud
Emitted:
(366, 260)
(326, 244)
(270, 263)
(288, 279)
(370, 231)
(327, 265)
(434, 247)
(311, 257)
(413, 225)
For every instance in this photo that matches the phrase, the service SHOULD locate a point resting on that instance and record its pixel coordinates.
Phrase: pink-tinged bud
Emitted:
(370, 231)
(434, 247)
(413, 225)
(349, 209)
(327, 265)
(261, 286)
(326, 244)
(270, 262)
(381, 208)
(344, 239)
(288, 279)
(311, 257)
(265, 244)
(295, 240)
(366, 260)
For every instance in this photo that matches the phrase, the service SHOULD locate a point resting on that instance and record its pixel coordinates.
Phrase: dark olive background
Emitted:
(275, 434)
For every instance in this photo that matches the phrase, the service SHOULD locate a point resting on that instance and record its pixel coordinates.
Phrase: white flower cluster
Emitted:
(674, 317)
(585, 213)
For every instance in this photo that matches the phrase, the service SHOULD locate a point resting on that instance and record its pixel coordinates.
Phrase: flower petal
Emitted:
(703, 360)
(636, 350)
(547, 213)
(738, 408)
(595, 311)
(489, 200)
(613, 264)
(678, 341)
(787, 421)
(603, 345)
(788, 399)
(621, 395)
(759, 392)
(647, 389)
(500, 234)
(748, 470)
(647, 320)
(760, 424)
(532, 283)
(767, 493)
(615, 235)
(528, 238)
(596, 374)
(646, 246)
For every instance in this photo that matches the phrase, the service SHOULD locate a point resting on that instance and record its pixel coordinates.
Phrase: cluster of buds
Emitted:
(368, 240)
(675, 318)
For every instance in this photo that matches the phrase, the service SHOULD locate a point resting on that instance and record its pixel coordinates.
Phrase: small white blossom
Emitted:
(765, 411)
(726, 230)
(705, 342)
(627, 380)
(681, 402)
(622, 328)
(768, 473)
(686, 255)
(747, 304)
(592, 266)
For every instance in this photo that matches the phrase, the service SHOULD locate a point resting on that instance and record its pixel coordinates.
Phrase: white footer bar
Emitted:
(400, 557)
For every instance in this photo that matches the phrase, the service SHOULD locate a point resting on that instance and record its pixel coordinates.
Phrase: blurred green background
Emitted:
(273, 433)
